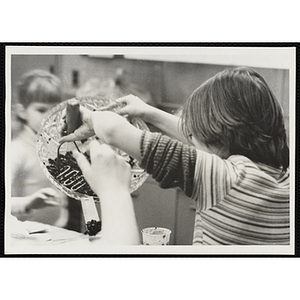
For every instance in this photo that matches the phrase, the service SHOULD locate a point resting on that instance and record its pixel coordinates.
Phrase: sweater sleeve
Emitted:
(170, 162)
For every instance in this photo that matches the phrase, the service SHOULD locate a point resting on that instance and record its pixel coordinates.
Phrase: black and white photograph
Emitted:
(150, 150)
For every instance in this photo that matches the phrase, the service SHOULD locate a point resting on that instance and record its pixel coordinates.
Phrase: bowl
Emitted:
(74, 185)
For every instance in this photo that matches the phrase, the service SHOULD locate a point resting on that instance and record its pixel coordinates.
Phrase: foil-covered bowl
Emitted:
(47, 147)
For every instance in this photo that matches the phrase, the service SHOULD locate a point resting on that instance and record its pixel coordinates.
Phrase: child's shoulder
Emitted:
(245, 164)
(240, 159)
(247, 168)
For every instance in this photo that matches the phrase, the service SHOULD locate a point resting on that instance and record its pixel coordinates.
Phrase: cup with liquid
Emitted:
(156, 236)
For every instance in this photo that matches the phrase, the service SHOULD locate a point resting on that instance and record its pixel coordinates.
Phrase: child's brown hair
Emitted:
(39, 86)
(237, 110)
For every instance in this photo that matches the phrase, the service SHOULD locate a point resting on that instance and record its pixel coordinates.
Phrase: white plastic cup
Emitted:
(156, 236)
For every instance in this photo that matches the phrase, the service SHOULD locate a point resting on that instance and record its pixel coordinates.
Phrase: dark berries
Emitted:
(68, 174)
(93, 227)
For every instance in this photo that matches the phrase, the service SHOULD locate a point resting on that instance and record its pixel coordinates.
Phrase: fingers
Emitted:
(123, 99)
(105, 157)
(68, 138)
(111, 167)
(82, 162)
(50, 198)
(98, 152)
(48, 192)
(51, 202)
(45, 193)
(84, 131)
(42, 198)
(101, 153)
(95, 148)
(77, 135)
(123, 111)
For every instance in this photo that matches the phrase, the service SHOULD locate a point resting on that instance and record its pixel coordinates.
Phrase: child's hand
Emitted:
(135, 107)
(107, 170)
(85, 131)
(42, 198)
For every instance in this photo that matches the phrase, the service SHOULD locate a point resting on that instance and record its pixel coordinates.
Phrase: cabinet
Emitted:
(185, 219)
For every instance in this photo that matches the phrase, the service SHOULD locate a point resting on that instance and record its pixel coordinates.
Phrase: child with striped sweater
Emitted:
(228, 151)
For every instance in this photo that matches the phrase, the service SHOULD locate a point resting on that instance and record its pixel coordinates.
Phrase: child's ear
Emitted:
(21, 111)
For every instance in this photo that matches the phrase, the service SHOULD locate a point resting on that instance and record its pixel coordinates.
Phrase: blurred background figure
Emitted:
(38, 92)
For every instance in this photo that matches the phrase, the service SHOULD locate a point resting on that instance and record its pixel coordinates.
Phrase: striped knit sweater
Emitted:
(238, 202)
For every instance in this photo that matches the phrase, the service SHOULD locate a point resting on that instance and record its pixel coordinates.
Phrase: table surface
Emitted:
(33, 237)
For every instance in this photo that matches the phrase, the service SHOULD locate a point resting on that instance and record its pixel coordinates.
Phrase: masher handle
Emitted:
(73, 119)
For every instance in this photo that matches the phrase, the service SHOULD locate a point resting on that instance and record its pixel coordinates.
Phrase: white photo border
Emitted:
(283, 57)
